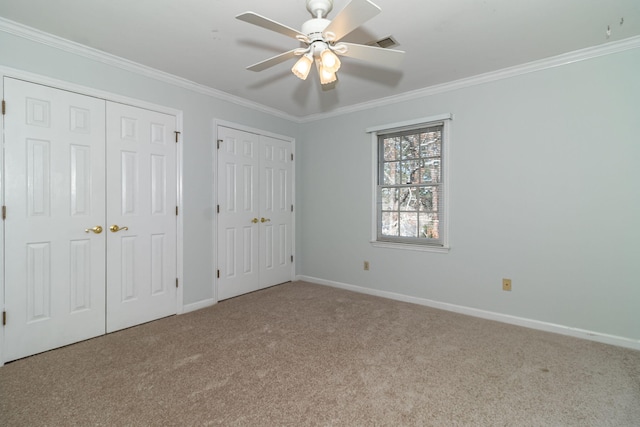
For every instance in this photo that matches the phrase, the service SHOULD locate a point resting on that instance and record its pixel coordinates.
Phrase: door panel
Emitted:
(55, 190)
(141, 202)
(238, 226)
(275, 207)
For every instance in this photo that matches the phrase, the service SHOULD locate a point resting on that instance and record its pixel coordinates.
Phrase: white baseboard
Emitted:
(198, 305)
(490, 315)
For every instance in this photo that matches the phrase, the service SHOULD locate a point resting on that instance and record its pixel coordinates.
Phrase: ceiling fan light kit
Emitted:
(322, 37)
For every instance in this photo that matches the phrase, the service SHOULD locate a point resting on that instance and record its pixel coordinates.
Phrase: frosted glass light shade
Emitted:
(326, 76)
(330, 61)
(302, 67)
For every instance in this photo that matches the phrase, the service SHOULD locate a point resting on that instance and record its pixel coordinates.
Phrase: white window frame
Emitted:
(445, 120)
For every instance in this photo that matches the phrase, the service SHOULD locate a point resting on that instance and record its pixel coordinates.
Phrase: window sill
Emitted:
(410, 247)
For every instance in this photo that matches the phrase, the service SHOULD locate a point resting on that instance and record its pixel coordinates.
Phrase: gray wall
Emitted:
(544, 190)
(198, 136)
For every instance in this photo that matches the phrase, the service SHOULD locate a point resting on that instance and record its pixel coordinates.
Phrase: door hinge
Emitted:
(177, 135)
(4, 107)
(219, 142)
(4, 318)
(218, 274)
(4, 213)
(218, 209)
(292, 157)
(176, 211)
(176, 282)
(291, 208)
(291, 258)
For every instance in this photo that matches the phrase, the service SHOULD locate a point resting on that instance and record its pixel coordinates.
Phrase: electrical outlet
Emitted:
(506, 284)
(366, 265)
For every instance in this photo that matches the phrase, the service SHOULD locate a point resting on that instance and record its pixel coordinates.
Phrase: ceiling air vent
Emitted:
(385, 42)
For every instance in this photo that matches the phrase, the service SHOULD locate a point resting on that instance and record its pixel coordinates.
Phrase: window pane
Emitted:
(409, 199)
(430, 144)
(431, 171)
(428, 199)
(389, 224)
(391, 174)
(391, 149)
(410, 171)
(408, 224)
(410, 146)
(389, 198)
(429, 226)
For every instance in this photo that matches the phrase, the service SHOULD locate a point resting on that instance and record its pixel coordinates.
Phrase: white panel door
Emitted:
(141, 216)
(275, 211)
(238, 219)
(254, 232)
(55, 195)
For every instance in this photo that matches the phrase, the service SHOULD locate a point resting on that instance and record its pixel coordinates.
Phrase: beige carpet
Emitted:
(301, 354)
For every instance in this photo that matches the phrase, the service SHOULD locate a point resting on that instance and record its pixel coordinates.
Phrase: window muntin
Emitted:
(410, 186)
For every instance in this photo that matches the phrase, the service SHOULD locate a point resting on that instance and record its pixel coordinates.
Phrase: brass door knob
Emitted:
(254, 220)
(115, 228)
(265, 219)
(97, 229)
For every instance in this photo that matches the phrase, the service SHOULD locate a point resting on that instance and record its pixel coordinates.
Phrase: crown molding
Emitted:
(505, 73)
(60, 43)
(38, 36)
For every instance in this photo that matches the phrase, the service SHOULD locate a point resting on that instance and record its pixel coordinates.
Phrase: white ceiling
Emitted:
(444, 40)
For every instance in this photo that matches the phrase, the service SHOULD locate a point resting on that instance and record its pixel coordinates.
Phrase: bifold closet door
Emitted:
(141, 216)
(254, 234)
(90, 229)
(54, 229)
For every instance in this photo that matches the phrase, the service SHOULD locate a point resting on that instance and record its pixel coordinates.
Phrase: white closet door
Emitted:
(55, 190)
(238, 219)
(275, 211)
(141, 216)
(254, 233)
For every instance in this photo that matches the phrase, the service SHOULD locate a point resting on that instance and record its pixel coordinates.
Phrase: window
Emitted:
(410, 188)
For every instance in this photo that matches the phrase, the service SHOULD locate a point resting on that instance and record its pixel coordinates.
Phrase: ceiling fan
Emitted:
(321, 38)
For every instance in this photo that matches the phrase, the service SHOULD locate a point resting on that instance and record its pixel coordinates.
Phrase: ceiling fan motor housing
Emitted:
(319, 8)
(313, 28)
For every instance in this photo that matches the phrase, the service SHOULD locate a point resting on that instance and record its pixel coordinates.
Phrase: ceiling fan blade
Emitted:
(268, 63)
(384, 57)
(261, 21)
(351, 17)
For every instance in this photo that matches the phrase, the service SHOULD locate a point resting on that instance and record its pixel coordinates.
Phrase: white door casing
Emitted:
(141, 202)
(254, 231)
(55, 190)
